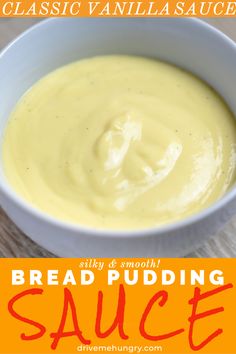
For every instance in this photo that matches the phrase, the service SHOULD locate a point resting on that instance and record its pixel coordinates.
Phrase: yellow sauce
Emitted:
(120, 142)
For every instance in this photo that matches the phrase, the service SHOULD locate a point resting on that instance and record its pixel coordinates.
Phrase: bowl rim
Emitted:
(9, 192)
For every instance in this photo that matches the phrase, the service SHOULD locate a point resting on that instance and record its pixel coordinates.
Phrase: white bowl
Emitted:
(188, 43)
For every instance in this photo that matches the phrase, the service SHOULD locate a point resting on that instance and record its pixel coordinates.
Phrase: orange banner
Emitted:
(117, 305)
(112, 8)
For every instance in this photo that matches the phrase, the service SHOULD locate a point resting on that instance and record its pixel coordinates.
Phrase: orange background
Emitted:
(216, 8)
(47, 308)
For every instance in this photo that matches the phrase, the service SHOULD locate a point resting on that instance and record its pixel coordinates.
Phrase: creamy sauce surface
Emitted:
(119, 142)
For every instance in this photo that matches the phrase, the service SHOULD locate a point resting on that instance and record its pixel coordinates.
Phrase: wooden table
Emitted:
(13, 243)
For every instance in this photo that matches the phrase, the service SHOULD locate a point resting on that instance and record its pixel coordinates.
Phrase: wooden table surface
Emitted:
(13, 243)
